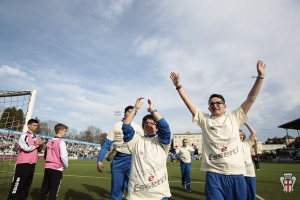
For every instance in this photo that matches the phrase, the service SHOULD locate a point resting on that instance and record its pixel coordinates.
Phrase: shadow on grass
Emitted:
(72, 195)
(34, 193)
(101, 192)
(181, 196)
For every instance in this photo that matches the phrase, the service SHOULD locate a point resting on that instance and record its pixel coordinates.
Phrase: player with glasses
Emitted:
(216, 103)
(222, 155)
(149, 123)
(148, 175)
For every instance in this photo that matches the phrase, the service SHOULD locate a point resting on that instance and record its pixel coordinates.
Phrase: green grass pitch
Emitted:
(82, 181)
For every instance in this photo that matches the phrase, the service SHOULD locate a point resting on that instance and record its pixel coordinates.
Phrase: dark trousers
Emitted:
(256, 164)
(22, 181)
(51, 184)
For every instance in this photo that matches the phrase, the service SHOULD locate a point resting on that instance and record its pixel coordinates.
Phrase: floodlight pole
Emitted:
(117, 114)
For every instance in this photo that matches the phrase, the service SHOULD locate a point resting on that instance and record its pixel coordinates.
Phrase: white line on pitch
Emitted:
(259, 197)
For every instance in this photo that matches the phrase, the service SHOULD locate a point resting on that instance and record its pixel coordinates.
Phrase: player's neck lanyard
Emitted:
(32, 135)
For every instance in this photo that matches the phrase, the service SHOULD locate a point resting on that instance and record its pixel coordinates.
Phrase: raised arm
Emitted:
(164, 133)
(131, 115)
(252, 132)
(256, 87)
(255, 145)
(155, 114)
(176, 81)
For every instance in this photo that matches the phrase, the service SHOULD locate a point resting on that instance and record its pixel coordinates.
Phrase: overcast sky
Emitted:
(87, 59)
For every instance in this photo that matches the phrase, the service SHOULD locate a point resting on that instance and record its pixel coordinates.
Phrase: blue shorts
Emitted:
(225, 187)
(251, 187)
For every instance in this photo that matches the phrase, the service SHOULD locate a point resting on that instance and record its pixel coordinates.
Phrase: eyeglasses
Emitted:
(149, 123)
(218, 103)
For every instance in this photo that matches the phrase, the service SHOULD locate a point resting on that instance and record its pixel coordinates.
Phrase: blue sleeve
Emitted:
(173, 151)
(196, 152)
(104, 148)
(164, 133)
(128, 132)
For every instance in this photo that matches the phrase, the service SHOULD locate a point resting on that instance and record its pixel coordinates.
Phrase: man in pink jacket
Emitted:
(27, 158)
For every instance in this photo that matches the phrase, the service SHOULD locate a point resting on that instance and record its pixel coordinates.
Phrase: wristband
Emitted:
(258, 77)
(153, 111)
(135, 110)
(178, 87)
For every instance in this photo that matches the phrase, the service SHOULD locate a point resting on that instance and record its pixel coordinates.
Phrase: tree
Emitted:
(102, 138)
(92, 134)
(72, 134)
(12, 119)
(46, 128)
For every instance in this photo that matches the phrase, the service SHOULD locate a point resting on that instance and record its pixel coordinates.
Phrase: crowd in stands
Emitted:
(82, 150)
(9, 145)
(278, 153)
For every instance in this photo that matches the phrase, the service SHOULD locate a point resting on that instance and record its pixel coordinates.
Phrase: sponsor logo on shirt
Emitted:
(151, 177)
(221, 144)
(142, 187)
(224, 154)
(152, 170)
(224, 148)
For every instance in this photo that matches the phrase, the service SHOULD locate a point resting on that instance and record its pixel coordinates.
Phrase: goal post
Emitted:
(29, 109)
(18, 100)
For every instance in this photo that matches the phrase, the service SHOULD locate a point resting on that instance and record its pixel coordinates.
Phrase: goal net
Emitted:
(16, 109)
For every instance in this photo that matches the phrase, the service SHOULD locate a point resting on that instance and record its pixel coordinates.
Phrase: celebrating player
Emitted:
(222, 153)
(148, 176)
(184, 154)
(121, 163)
(250, 172)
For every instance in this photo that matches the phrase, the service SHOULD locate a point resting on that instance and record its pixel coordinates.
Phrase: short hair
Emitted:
(128, 108)
(31, 121)
(59, 127)
(184, 139)
(244, 136)
(216, 95)
(149, 116)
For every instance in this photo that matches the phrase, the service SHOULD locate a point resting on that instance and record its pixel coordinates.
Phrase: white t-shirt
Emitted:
(116, 135)
(222, 151)
(246, 146)
(148, 175)
(185, 153)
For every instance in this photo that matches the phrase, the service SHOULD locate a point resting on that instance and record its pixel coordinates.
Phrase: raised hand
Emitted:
(150, 109)
(138, 103)
(175, 78)
(261, 68)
